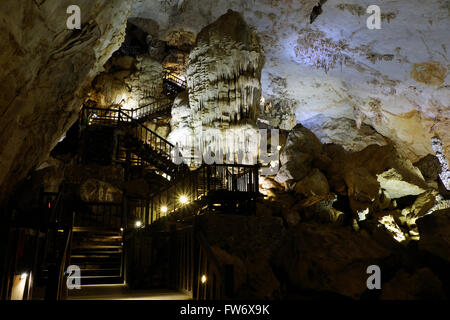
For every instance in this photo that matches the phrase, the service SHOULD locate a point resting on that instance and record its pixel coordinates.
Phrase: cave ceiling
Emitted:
(394, 79)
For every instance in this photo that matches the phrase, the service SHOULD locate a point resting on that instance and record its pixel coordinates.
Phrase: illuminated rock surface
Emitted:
(392, 80)
(361, 106)
(46, 71)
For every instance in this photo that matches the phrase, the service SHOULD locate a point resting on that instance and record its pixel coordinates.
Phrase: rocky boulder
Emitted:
(327, 258)
(419, 285)
(301, 148)
(434, 232)
(430, 167)
(371, 169)
(363, 188)
(313, 184)
(396, 185)
(345, 132)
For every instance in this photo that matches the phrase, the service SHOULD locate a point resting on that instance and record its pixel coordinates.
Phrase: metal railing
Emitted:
(136, 137)
(171, 77)
(139, 135)
(100, 214)
(195, 186)
(154, 108)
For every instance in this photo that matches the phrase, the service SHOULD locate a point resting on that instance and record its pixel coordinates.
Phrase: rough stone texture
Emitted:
(420, 285)
(127, 82)
(223, 76)
(327, 258)
(420, 207)
(249, 244)
(296, 158)
(363, 188)
(393, 170)
(429, 166)
(181, 124)
(344, 131)
(314, 184)
(224, 72)
(396, 185)
(45, 70)
(435, 233)
(94, 183)
(397, 84)
(439, 148)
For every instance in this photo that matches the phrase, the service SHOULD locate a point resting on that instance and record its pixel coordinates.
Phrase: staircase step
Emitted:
(101, 280)
(90, 246)
(99, 266)
(100, 272)
(97, 230)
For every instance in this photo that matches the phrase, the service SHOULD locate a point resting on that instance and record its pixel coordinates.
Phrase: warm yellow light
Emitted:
(23, 275)
(163, 209)
(121, 229)
(278, 148)
(183, 199)
(390, 224)
(203, 279)
(138, 224)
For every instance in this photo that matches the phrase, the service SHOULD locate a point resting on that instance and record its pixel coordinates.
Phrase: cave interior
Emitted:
(224, 150)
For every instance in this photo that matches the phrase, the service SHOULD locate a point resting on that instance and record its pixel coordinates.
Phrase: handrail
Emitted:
(177, 80)
(119, 119)
(158, 107)
(63, 263)
(195, 185)
(137, 123)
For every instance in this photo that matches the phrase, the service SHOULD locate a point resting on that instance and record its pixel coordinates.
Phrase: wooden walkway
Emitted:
(121, 292)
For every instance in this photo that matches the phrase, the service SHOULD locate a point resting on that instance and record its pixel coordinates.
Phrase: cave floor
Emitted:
(121, 292)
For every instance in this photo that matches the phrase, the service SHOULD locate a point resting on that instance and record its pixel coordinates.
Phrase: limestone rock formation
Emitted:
(435, 233)
(224, 72)
(301, 148)
(46, 69)
(396, 174)
(327, 258)
(344, 131)
(421, 284)
(314, 184)
(223, 76)
(127, 82)
(248, 243)
(430, 167)
(363, 188)
(338, 68)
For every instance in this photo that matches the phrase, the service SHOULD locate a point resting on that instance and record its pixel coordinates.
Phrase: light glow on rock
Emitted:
(389, 223)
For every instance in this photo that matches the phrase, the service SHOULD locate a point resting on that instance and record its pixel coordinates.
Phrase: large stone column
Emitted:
(223, 76)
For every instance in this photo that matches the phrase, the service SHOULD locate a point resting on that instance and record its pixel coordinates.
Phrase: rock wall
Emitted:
(45, 71)
(129, 82)
(390, 79)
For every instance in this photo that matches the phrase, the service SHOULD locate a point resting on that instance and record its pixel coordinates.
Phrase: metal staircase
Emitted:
(173, 85)
(99, 254)
(136, 144)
